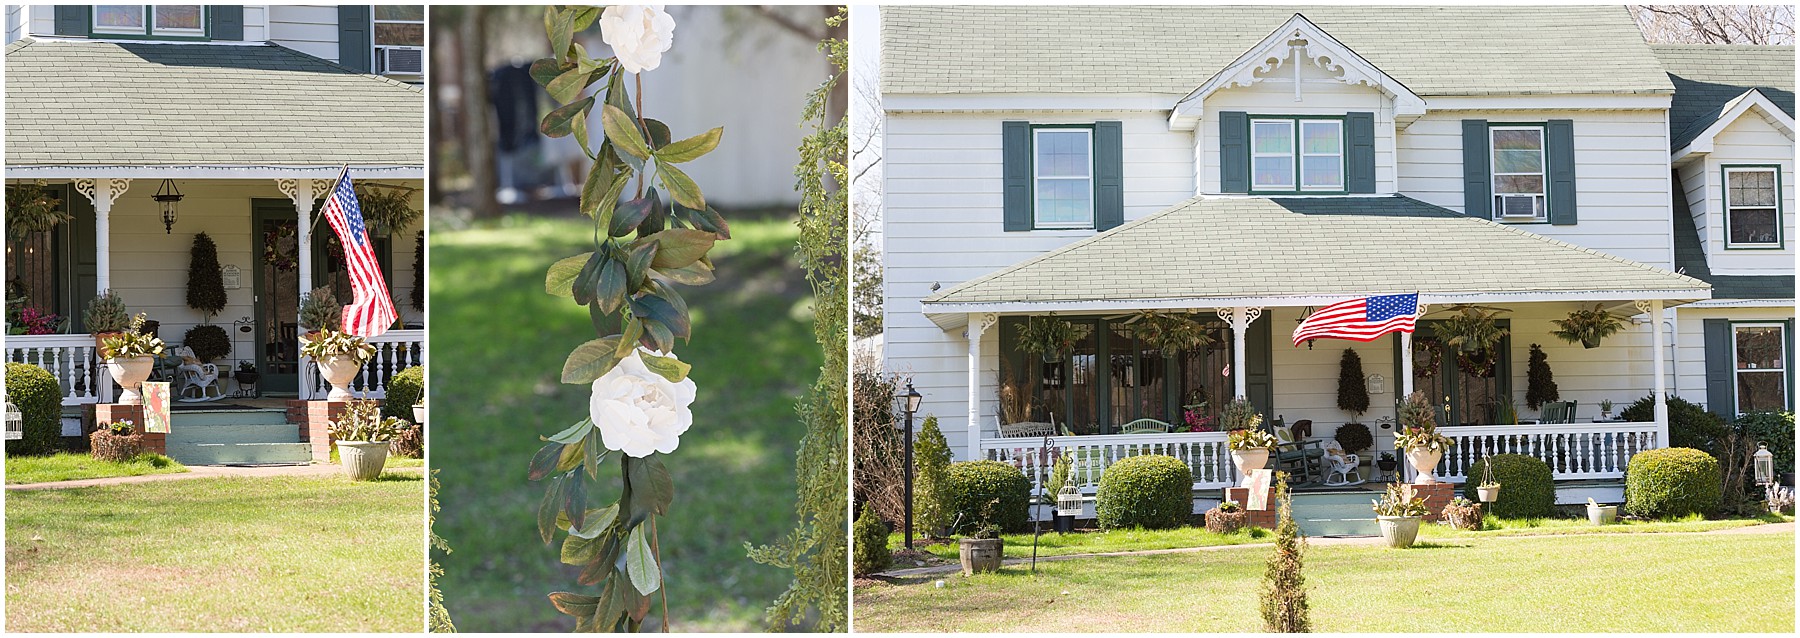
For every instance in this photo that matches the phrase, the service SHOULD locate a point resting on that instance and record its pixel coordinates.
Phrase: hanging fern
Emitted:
(386, 210)
(32, 208)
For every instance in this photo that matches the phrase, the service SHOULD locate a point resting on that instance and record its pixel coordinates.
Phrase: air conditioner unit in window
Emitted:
(1517, 205)
(402, 60)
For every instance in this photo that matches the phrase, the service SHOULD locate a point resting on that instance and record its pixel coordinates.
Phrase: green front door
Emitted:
(1466, 388)
(277, 289)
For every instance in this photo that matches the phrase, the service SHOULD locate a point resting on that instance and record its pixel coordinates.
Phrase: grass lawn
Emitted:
(499, 343)
(64, 466)
(1492, 526)
(269, 554)
(1051, 543)
(1592, 583)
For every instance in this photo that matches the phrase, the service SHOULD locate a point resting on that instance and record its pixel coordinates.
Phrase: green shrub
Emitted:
(1775, 429)
(933, 508)
(871, 539)
(1672, 482)
(1152, 491)
(1527, 489)
(208, 342)
(403, 390)
(39, 398)
(972, 484)
(1689, 425)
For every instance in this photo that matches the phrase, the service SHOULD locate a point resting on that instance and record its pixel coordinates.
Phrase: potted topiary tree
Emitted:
(208, 342)
(130, 356)
(105, 316)
(1540, 383)
(1353, 389)
(1588, 327)
(1398, 514)
(362, 436)
(1418, 437)
(340, 355)
(319, 310)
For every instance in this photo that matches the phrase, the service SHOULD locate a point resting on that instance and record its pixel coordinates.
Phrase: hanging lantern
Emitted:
(168, 198)
(1764, 460)
(1068, 501)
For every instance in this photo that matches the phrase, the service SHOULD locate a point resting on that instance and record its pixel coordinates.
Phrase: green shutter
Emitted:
(1559, 160)
(1359, 134)
(355, 49)
(1478, 190)
(1234, 152)
(1720, 386)
(227, 22)
(1109, 175)
(1259, 355)
(71, 19)
(1016, 150)
(1788, 359)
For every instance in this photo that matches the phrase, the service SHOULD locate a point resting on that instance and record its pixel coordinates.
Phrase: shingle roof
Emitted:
(1279, 247)
(128, 104)
(1469, 50)
(1709, 76)
(1690, 259)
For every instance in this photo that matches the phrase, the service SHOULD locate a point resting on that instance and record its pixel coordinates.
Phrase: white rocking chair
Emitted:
(1341, 468)
(199, 381)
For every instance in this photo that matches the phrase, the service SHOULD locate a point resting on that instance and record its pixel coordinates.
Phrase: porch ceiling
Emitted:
(131, 109)
(1260, 251)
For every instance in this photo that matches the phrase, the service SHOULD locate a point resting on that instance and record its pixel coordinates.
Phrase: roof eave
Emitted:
(213, 171)
(1702, 143)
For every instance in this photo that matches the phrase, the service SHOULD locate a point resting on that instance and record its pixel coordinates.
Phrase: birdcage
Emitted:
(1068, 501)
(15, 422)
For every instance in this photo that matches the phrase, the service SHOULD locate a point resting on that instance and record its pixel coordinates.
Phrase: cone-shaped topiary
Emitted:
(871, 543)
(1353, 390)
(1284, 608)
(933, 508)
(1540, 384)
(206, 287)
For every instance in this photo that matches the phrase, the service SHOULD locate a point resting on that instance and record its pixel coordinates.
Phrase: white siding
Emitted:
(15, 22)
(1693, 187)
(1690, 366)
(22, 20)
(1622, 183)
(310, 29)
(1749, 140)
(256, 22)
(1319, 95)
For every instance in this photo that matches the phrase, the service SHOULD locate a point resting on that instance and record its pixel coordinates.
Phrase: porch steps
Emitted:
(1345, 513)
(236, 437)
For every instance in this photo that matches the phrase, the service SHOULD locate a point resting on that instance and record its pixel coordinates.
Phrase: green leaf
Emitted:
(659, 306)
(560, 122)
(568, 86)
(667, 367)
(692, 148)
(547, 510)
(588, 279)
(572, 455)
(584, 18)
(657, 336)
(623, 132)
(590, 361)
(575, 605)
(573, 433)
(562, 30)
(559, 280)
(632, 213)
(546, 69)
(656, 132)
(544, 461)
(634, 330)
(574, 499)
(596, 453)
(637, 263)
(640, 563)
(598, 521)
(707, 219)
(698, 273)
(680, 247)
(611, 293)
(578, 550)
(682, 188)
(651, 483)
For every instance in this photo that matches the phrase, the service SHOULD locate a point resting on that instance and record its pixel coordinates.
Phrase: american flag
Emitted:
(1361, 319)
(373, 311)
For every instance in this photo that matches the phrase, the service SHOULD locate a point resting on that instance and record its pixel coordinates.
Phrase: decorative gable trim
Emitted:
(1752, 99)
(1296, 43)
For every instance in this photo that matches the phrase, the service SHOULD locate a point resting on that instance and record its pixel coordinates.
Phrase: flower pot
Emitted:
(418, 411)
(1423, 460)
(980, 555)
(1399, 531)
(338, 371)
(1251, 459)
(248, 378)
(1221, 522)
(1065, 523)
(1590, 343)
(1602, 514)
(362, 460)
(1387, 465)
(129, 374)
(1488, 494)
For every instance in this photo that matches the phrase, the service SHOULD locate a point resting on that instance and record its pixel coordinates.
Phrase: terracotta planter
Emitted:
(1602, 514)
(1424, 461)
(1399, 531)
(981, 555)
(1488, 494)
(362, 460)
(339, 371)
(129, 374)
(1251, 459)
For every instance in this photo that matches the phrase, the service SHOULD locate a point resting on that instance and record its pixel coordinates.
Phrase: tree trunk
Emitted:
(478, 135)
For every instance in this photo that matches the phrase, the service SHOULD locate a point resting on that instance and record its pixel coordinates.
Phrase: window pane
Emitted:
(1322, 170)
(1062, 154)
(1515, 184)
(1064, 201)
(1518, 139)
(1761, 391)
(180, 17)
(1272, 137)
(1274, 171)
(1753, 225)
(119, 16)
(1759, 348)
(1518, 161)
(1321, 137)
(410, 35)
(1752, 188)
(399, 12)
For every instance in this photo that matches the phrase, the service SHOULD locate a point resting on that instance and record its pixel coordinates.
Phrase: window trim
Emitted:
(1786, 369)
(376, 48)
(1093, 191)
(1297, 188)
(1725, 171)
(203, 34)
(1543, 172)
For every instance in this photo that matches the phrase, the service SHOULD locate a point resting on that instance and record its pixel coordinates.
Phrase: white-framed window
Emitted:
(162, 20)
(1518, 172)
(1752, 207)
(398, 36)
(1290, 154)
(1322, 155)
(1759, 363)
(1272, 155)
(1062, 169)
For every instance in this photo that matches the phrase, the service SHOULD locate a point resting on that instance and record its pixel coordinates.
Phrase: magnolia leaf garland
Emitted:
(653, 230)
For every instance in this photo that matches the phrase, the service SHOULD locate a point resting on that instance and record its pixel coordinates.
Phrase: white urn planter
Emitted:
(362, 460)
(339, 371)
(1424, 460)
(130, 373)
(1602, 514)
(1399, 532)
(1251, 459)
(1488, 494)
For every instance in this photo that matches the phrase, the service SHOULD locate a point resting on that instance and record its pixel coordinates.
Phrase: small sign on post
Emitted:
(156, 406)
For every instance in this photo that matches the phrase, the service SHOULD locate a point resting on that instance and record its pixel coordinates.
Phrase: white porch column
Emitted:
(1406, 365)
(1240, 317)
(301, 191)
(1654, 308)
(978, 324)
(102, 193)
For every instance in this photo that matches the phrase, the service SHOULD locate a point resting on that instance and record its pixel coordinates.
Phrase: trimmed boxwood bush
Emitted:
(403, 391)
(208, 341)
(1670, 482)
(1689, 425)
(39, 398)
(973, 484)
(1150, 491)
(1527, 489)
(871, 551)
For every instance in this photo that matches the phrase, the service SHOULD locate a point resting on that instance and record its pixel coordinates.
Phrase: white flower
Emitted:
(638, 411)
(638, 34)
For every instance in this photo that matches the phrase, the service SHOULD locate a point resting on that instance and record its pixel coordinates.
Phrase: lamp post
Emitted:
(913, 398)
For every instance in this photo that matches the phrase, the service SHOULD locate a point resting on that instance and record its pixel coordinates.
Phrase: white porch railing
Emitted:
(72, 359)
(1203, 452)
(1572, 450)
(395, 350)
